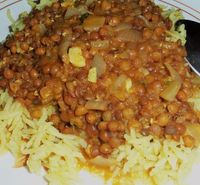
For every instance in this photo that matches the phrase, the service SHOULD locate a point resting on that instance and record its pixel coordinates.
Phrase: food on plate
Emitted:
(99, 82)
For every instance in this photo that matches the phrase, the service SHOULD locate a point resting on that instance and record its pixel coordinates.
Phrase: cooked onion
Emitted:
(100, 44)
(123, 26)
(148, 24)
(63, 48)
(171, 90)
(43, 29)
(129, 35)
(173, 87)
(136, 12)
(194, 130)
(121, 87)
(96, 105)
(71, 12)
(89, 2)
(93, 22)
(75, 11)
(100, 64)
(173, 72)
(196, 80)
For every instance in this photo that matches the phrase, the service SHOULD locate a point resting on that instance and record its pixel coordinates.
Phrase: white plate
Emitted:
(11, 176)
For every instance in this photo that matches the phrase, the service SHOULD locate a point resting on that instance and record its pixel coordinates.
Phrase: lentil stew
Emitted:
(107, 67)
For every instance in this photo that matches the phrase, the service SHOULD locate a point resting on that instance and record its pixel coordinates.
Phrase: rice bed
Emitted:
(37, 144)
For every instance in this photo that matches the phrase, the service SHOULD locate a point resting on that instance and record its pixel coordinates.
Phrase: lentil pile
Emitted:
(106, 66)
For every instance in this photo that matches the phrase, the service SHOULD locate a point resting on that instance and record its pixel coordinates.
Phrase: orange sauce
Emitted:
(107, 174)
(104, 172)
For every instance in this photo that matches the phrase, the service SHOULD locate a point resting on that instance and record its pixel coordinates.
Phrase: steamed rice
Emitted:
(152, 161)
(37, 144)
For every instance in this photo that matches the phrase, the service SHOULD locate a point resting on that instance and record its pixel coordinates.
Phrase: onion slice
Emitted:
(173, 72)
(63, 48)
(123, 26)
(93, 22)
(170, 92)
(100, 64)
(148, 24)
(121, 87)
(96, 105)
(100, 44)
(193, 129)
(72, 11)
(129, 35)
(43, 29)
(89, 2)
(196, 80)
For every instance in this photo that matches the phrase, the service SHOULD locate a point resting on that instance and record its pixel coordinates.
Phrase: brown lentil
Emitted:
(8, 74)
(189, 141)
(105, 149)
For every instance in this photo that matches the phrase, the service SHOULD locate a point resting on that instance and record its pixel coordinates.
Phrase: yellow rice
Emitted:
(140, 161)
(38, 142)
